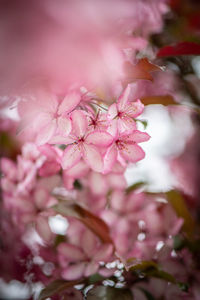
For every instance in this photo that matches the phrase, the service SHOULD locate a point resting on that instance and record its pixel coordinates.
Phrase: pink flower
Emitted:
(125, 148)
(83, 144)
(47, 116)
(122, 113)
(78, 261)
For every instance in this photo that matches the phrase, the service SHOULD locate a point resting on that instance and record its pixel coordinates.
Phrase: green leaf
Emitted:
(95, 224)
(56, 287)
(143, 122)
(179, 242)
(95, 278)
(135, 186)
(162, 275)
(148, 295)
(138, 265)
(150, 269)
(178, 203)
(109, 293)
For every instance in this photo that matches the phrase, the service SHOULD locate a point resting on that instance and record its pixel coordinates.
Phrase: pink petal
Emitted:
(74, 272)
(79, 123)
(70, 101)
(138, 137)
(60, 139)
(88, 243)
(123, 99)
(91, 268)
(126, 125)
(71, 156)
(132, 153)
(110, 158)
(112, 111)
(41, 120)
(41, 197)
(77, 171)
(104, 253)
(43, 228)
(92, 157)
(71, 252)
(64, 125)
(134, 109)
(98, 184)
(46, 133)
(99, 138)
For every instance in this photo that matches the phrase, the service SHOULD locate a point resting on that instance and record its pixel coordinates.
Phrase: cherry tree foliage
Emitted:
(80, 126)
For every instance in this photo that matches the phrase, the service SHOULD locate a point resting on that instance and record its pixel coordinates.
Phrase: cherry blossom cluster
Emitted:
(99, 138)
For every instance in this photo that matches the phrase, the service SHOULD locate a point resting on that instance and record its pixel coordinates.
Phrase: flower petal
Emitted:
(79, 123)
(134, 109)
(112, 111)
(138, 137)
(43, 228)
(64, 125)
(132, 153)
(126, 125)
(74, 272)
(70, 101)
(88, 243)
(46, 133)
(110, 158)
(71, 156)
(71, 252)
(104, 253)
(92, 157)
(91, 268)
(99, 138)
(123, 99)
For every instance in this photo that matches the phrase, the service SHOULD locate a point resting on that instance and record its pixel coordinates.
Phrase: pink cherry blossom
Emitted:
(83, 260)
(84, 144)
(121, 114)
(125, 148)
(47, 116)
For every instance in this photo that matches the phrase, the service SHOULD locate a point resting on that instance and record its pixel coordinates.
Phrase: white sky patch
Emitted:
(169, 132)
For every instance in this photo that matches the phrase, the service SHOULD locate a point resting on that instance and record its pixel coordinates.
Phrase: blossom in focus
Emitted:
(122, 112)
(83, 144)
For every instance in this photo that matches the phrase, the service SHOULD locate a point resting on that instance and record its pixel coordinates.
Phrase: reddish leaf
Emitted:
(183, 48)
(164, 100)
(94, 223)
(56, 287)
(141, 70)
(177, 201)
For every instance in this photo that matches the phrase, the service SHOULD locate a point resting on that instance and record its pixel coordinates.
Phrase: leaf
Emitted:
(162, 275)
(142, 70)
(149, 268)
(178, 203)
(94, 223)
(135, 186)
(139, 265)
(164, 100)
(182, 48)
(179, 242)
(143, 122)
(56, 287)
(109, 293)
(95, 278)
